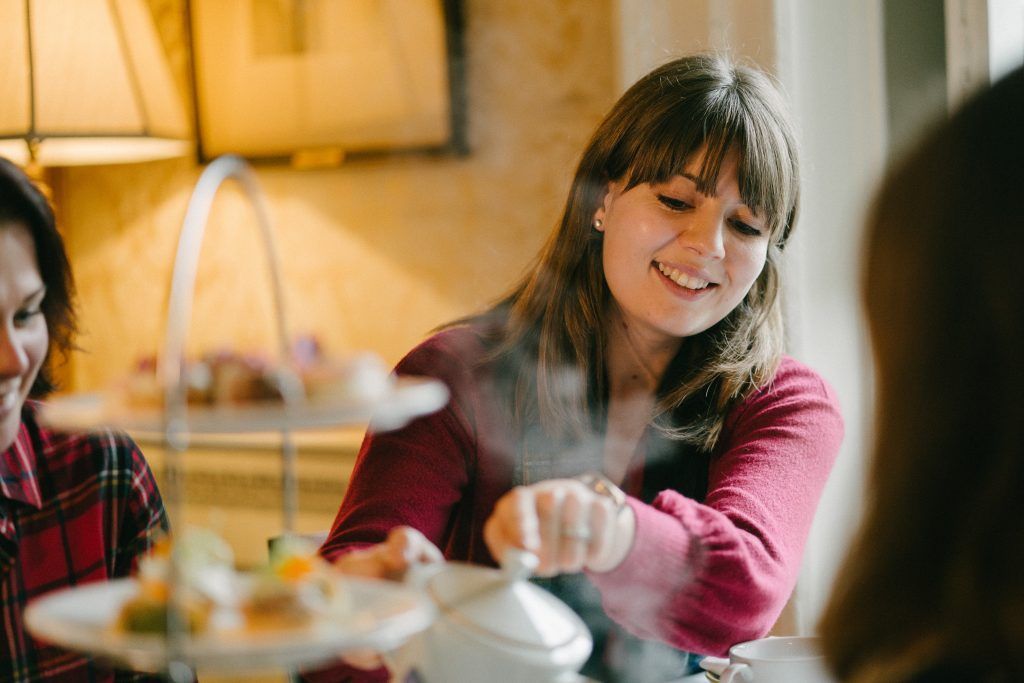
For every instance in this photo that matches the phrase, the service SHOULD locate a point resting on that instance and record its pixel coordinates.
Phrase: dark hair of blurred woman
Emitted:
(934, 582)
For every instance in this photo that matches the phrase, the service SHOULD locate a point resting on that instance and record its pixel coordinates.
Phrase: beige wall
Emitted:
(374, 253)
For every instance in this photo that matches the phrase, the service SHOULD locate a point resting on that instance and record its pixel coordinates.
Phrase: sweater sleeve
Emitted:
(416, 475)
(703, 577)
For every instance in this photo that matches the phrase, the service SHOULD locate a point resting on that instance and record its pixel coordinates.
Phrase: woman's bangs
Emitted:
(769, 181)
(662, 145)
(666, 149)
(661, 153)
(766, 180)
(720, 137)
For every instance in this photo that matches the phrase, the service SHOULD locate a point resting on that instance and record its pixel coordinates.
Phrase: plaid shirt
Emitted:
(74, 508)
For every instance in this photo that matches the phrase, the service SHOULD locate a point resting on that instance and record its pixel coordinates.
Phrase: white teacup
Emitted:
(795, 659)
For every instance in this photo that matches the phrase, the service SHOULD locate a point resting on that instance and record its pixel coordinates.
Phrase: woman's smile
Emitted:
(8, 401)
(683, 281)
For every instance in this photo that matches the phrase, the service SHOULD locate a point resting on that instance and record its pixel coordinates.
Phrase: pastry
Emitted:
(228, 378)
(146, 612)
(295, 588)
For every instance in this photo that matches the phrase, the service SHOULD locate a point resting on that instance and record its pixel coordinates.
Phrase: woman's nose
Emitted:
(705, 235)
(13, 359)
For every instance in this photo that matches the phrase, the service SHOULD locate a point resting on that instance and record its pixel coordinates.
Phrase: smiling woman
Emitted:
(643, 350)
(50, 539)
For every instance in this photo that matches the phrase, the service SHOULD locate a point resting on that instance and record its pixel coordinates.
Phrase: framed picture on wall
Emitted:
(313, 82)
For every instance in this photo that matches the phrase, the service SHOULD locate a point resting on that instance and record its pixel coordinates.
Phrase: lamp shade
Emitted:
(86, 82)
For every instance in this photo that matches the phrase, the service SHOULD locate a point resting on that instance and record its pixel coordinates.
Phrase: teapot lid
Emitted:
(502, 606)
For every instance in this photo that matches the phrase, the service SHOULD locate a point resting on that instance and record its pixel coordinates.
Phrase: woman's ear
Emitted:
(611, 191)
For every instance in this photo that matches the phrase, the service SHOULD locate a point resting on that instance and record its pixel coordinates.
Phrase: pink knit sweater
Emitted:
(700, 576)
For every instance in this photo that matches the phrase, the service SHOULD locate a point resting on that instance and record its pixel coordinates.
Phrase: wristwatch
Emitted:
(603, 486)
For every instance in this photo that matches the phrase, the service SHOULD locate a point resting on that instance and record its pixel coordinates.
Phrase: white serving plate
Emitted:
(408, 398)
(83, 618)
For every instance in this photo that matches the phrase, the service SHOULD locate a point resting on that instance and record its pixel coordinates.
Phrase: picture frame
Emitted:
(317, 82)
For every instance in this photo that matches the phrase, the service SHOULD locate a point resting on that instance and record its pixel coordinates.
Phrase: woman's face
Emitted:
(23, 333)
(678, 261)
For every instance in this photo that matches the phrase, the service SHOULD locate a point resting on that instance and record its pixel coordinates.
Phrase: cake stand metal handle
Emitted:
(183, 281)
(186, 266)
(172, 369)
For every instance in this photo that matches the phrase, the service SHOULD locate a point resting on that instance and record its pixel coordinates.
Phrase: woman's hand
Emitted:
(403, 547)
(568, 526)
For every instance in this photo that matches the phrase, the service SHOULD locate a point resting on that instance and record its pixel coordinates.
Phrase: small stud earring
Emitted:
(598, 223)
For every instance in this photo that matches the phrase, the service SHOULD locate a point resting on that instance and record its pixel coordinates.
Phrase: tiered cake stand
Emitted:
(83, 618)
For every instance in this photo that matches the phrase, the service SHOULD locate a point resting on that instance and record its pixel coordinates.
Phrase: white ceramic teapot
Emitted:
(492, 625)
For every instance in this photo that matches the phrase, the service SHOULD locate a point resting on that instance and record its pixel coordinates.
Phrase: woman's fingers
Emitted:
(364, 659)
(403, 547)
(566, 524)
(513, 523)
(407, 546)
(368, 563)
(574, 530)
(548, 506)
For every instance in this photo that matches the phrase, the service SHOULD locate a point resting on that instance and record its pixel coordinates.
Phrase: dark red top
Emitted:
(701, 576)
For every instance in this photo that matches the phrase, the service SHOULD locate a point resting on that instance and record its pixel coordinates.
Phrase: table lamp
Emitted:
(86, 82)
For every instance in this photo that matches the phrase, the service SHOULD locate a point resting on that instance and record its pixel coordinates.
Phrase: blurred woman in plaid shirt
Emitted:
(74, 508)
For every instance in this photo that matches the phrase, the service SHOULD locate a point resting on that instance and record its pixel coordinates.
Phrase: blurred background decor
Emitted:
(315, 81)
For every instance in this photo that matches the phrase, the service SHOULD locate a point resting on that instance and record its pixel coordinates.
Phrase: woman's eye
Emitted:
(25, 316)
(746, 228)
(673, 203)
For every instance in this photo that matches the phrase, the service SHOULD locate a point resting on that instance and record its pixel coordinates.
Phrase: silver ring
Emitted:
(579, 533)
